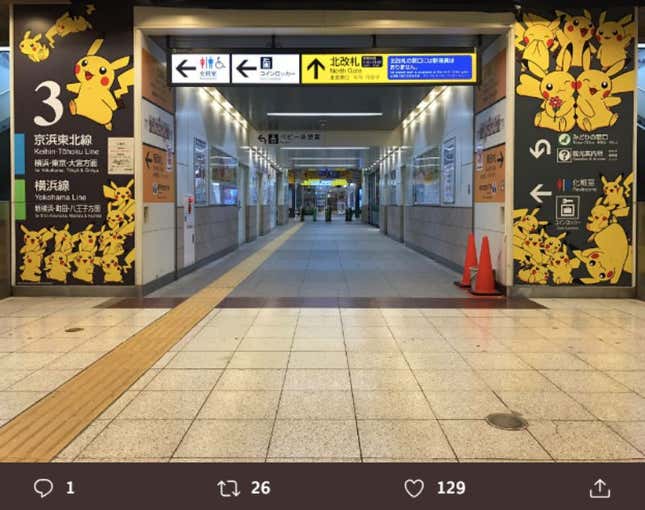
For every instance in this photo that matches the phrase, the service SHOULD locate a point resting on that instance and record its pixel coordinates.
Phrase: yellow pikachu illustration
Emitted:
(574, 37)
(561, 266)
(121, 195)
(524, 223)
(112, 270)
(30, 269)
(111, 241)
(94, 97)
(608, 260)
(556, 89)
(614, 38)
(66, 25)
(533, 248)
(129, 260)
(88, 239)
(84, 262)
(534, 274)
(33, 240)
(537, 40)
(596, 96)
(600, 217)
(57, 266)
(617, 192)
(552, 244)
(63, 239)
(33, 48)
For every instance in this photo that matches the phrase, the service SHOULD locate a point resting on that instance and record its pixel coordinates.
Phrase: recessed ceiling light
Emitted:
(321, 148)
(312, 158)
(324, 114)
(323, 165)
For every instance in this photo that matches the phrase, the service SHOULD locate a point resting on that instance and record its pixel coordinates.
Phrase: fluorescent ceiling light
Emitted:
(324, 114)
(322, 165)
(324, 148)
(323, 159)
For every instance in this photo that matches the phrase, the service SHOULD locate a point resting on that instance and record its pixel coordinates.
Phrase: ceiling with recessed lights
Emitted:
(393, 102)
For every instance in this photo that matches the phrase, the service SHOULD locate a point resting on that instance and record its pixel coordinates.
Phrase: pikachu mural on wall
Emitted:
(68, 23)
(57, 253)
(94, 97)
(584, 98)
(549, 259)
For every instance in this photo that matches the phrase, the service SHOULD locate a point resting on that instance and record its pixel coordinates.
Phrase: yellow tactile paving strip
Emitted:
(39, 433)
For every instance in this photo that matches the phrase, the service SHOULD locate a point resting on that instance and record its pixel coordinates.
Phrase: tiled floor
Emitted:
(385, 384)
(341, 259)
(37, 354)
(345, 384)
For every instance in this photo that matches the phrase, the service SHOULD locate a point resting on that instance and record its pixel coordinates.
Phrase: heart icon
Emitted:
(414, 488)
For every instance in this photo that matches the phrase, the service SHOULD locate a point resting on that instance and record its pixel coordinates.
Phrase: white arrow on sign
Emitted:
(536, 193)
(541, 146)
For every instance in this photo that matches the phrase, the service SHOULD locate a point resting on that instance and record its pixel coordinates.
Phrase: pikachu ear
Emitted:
(89, 227)
(603, 15)
(130, 183)
(562, 236)
(536, 70)
(587, 14)
(38, 37)
(108, 192)
(615, 68)
(603, 179)
(554, 24)
(66, 227)
(24, 229)
(567, 58)
(560, 13)
(624, 21)
(535, 211)
(96, 46)
(619, 179)
(120, 62)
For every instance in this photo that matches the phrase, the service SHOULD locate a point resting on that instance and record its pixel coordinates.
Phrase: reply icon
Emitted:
(43, 487)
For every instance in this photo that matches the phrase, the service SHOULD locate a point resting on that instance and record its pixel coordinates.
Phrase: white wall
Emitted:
(158, 236)
(489, 217)
(449, 115)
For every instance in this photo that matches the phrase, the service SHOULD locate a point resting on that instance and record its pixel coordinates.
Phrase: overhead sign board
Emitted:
(388, 68)
(200, 68)
(366, 68)
(269, 69)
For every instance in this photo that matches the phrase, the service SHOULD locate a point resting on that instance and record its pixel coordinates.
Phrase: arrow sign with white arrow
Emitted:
(541, 146)
(536, 193)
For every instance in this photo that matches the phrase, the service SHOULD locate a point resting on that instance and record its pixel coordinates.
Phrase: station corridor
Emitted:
(320, 342)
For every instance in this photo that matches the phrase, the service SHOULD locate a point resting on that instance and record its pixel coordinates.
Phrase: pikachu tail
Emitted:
(129, 259)
(124, 80)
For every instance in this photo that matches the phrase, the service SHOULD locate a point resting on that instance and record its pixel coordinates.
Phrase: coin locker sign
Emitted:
(388, 68)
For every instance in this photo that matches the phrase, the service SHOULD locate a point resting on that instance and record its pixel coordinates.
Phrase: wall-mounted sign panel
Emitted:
(388, 68)
(200, 68)
(259, 68)
(266, 69)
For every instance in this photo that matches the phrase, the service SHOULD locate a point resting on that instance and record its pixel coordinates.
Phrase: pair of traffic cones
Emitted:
(484, 284)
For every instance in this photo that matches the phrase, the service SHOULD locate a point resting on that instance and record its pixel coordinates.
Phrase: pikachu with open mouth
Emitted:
(95, 76)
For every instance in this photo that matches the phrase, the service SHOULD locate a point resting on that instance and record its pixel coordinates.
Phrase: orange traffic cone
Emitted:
(485, 281)
(471, 260)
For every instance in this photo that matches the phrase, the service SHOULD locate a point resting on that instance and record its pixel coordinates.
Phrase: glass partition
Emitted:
(222, 178)
(426, 172)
